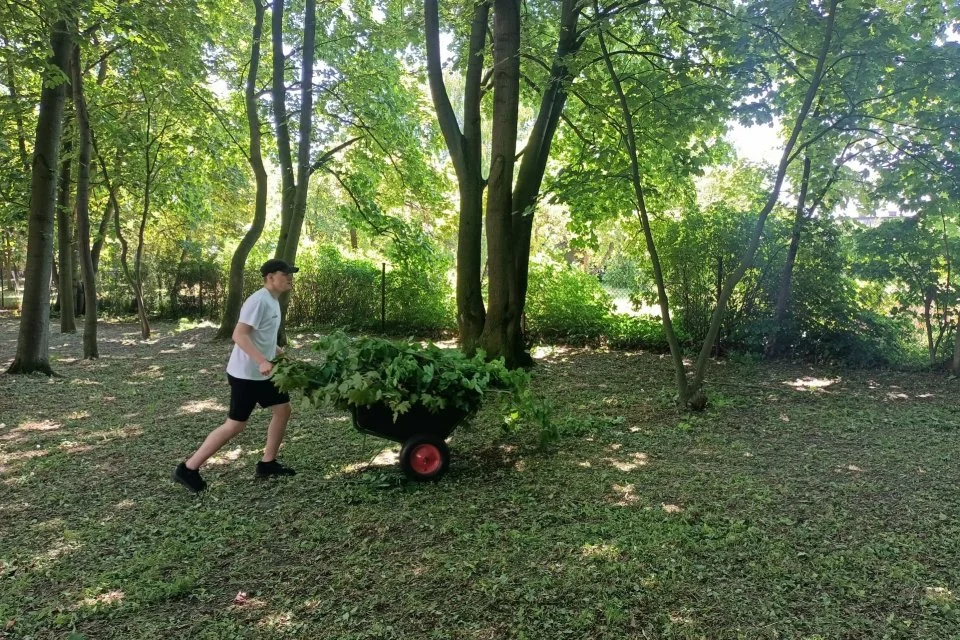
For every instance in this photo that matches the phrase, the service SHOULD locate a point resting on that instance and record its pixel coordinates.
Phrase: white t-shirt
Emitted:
(262, 312)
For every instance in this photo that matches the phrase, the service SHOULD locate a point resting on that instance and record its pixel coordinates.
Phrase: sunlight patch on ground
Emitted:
(671, 508)
(77, 415)
(625, 495)
(897, 395)
(184, 346)
(550, 351)
(607, 551)
(225, 457)
(153, 371)
(126, 503)
(850, 467)
(276, 620)
(808, 382)
(74, 447)
(385, 458)
(199, 406)
(20, 456)
(633, 461)
(116, 595)
(60, 548)
(941, 595)
(44, 425)
(85, 381)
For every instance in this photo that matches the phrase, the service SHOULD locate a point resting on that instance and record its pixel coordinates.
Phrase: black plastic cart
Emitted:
(425, 455)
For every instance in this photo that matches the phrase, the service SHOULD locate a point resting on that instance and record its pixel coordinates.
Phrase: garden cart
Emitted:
(424, 455)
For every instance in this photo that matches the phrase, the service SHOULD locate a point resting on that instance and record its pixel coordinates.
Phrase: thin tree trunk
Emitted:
(101, 235)
(631, 142)
(4, 261)
(501, 331)
(34, 337)
(65, 235)
(288, 185)
(751, 251)
(231, 311)
(353, 238)
(18, 116)
(928, 325)
(150, 174)
(466, 152)
(90, 349)
(786, 278)
(955, 365)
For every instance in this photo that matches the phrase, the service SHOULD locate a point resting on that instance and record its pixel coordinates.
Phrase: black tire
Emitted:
(424, 458)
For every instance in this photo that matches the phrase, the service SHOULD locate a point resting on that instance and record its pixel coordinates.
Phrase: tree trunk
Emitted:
(101, 235)
(18, 116)
(294, 200)
(288, 185)
(90, 349)
(65, 235)
(231, 311)
(928, 299)
(683, 391)
(353, 238)
(535, 155)
(34, 337)
(466, 152)
(501, 331)
(151, 173)
(955, 365)
(786, 279)
(174, 292)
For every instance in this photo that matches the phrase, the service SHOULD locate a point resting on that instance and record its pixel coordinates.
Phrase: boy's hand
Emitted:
(266, 367)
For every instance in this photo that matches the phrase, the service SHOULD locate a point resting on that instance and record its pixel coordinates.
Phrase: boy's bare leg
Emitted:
(215, 441)
(276, 430)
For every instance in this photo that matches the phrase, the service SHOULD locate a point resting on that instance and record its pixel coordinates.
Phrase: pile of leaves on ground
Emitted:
(364, 371)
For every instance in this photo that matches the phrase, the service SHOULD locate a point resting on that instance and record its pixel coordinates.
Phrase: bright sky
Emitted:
(756, 143)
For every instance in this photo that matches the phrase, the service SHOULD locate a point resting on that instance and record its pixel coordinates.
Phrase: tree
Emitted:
(510, 206)
(90, 348)
(65, 236)
(690, 389)
(231, 309)
(33, 340)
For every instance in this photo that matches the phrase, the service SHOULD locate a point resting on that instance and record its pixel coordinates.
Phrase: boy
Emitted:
(248, 372)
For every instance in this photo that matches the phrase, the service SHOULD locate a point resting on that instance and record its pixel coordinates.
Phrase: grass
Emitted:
(804, 503)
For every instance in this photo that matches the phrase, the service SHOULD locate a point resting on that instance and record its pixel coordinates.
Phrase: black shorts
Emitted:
(247, 394)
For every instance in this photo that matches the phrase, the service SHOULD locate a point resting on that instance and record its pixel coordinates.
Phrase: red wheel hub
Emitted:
(425, 459)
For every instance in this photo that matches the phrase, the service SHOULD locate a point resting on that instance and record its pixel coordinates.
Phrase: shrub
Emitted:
(564, 303)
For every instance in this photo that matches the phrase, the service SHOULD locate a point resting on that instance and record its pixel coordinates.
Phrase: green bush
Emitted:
(564, 303)
(419, 295)
(622, 272)
(640, 332)
(333, 290)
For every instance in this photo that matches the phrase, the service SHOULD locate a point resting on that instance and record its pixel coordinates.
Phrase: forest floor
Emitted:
(803, 503)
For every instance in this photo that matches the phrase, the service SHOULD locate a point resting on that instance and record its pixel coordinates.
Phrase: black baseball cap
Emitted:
(274, 265)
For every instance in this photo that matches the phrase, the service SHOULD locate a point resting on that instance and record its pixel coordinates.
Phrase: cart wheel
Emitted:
(424, 458)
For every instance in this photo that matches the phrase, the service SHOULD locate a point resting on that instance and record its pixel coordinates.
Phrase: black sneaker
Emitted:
(273, 468)
(190, 478)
